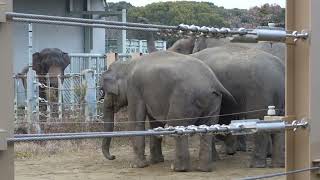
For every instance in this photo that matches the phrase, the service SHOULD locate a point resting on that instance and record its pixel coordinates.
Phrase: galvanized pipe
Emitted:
(248, 127)
(81, 20)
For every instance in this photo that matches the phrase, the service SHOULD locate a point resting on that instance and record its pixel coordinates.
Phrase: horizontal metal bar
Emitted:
(281, 174)
(86, 55)
(246, 127)
(92, 21)
(67, 23)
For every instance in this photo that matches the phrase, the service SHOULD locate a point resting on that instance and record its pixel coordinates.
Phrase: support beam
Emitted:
(314, 65)
(302, 87)
(6, 95)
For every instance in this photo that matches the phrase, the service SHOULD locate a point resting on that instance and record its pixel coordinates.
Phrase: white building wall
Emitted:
(68, 39)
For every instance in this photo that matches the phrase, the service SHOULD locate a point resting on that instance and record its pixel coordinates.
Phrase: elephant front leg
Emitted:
(205, 155)
(182, 156)
(278, 150)
(137, 115)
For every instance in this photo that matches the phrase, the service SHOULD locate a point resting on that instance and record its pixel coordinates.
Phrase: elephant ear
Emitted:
(66, 60)
(110, 85)
(36, 62)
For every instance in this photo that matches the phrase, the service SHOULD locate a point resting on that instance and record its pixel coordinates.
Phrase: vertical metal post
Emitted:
(48, 97)
(124, 32)
(60, 91)
(91, 95)
(16, 80)
(32, 86)
(6, 95)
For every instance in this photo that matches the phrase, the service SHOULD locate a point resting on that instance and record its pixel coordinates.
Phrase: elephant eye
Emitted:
(216, 93)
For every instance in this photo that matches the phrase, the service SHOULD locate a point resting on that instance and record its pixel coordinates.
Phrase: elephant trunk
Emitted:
(108, 126)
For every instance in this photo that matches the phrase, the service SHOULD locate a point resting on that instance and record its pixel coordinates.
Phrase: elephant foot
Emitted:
(261, 163)
(215, 157)
(139, 164)
(155, 160)
(205, 167)
(230, 151)
(181, 167)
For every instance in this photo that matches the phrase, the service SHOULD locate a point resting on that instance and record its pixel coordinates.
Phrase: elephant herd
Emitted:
(197, 78)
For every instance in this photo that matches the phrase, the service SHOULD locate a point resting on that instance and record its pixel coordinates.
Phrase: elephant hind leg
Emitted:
(205, 158)
(182, 156)
(155, 144)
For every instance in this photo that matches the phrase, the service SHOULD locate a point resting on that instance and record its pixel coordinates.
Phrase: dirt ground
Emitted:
(62, 161)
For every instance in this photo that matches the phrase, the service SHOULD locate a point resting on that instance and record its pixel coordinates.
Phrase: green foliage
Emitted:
(201, 14)
(174, 13)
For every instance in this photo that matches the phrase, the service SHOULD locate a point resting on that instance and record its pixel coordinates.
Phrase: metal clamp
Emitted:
(3, 140)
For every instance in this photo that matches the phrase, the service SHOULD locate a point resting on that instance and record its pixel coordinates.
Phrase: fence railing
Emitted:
(75, 98)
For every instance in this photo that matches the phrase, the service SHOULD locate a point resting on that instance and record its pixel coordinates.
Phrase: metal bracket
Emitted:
(248, 126)
(316, 163)
(3, 140)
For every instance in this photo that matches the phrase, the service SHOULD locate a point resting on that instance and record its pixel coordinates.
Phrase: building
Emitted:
(67, 38)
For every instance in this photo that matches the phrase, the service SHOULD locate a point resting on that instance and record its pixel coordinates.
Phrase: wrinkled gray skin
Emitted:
(256, 80)
(50, 61)
(163, 85)
(192, 45)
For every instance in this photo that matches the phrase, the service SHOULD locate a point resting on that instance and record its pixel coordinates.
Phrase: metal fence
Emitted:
(76, 98)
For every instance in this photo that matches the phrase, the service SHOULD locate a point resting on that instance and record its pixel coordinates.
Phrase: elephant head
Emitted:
(183, 46)
(51, 61)
(114, 85)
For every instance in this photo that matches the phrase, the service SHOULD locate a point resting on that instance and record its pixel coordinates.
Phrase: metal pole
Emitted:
(124, 32)
(236, 128)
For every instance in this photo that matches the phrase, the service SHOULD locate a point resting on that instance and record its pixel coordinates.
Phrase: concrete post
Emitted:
(91, 94)
(7, 93)
(124, 32)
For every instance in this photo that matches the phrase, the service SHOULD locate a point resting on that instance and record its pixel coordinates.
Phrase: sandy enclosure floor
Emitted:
(89, 163)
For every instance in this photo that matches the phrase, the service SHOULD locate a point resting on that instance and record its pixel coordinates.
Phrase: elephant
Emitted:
(192, 45)
(256, 80)
(49, 61)
(164, 85)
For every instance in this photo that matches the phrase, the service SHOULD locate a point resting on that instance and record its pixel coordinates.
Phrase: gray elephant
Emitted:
(50, 61)
(256, 80)
(162, 86)
(192, 45)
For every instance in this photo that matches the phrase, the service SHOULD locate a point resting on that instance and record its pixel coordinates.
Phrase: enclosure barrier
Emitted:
(301, 86)
(236, 127)
(182, 29)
